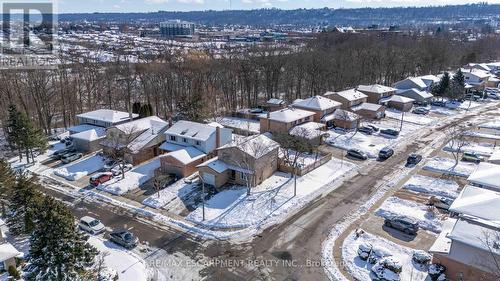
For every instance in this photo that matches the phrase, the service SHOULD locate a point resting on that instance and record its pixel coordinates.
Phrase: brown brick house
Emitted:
(248, 162)
(282, 121)
(321, 106)
(183, 162)
(369, 110)
(376, 92)
(348, 98)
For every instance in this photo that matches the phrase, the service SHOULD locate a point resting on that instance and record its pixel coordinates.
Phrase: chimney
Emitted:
(217, 137)
(170, 123)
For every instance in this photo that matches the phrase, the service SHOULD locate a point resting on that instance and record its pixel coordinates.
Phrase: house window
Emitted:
(198, 143)
(184, 140)
(173, 138)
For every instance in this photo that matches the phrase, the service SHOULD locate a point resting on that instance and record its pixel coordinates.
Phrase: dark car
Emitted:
(420, 111)
(390, 132)
(358, 154)
(374, 128)
(366, 130)
(402, 223)
(438, 103)
(414, 159)
(124, 238)
(60, 153)
(385, 153)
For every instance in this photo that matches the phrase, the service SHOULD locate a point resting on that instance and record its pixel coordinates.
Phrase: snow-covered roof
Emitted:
(91, 135)
(487, 175)
(341, 114)
(186, 155)
(142, 124)
(215, 164)
(495, 156)
(475, 235)
(376, 88)
(107, 115)
(481, 66)
(289, 115)
(430, 77)
(276, 102)
(168, 146)
(7, 251)
(422, 94)
(192, 130)
(399, 99)
(351, 95)
(367, 106)
(309, 130)
(414, 80)
(443, 244)
(156, 127)
(476, 72)
(255, 146)
(317, 103)
(478, 202)
(81, 128)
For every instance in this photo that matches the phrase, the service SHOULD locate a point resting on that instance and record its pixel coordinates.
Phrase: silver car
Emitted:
(91, 225)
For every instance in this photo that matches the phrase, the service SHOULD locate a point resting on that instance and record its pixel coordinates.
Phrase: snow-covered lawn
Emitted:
(442, 110)
(273, 198)
(16, 164)
(82, 168)
(482, 135)
(447, 166)
(400, 207)
(409, 117)
(484, 149)
(494, 125)
(303, 160)
(129, 266)
(173, 195)
(433, 186)
(360, 270)
(240, 123)
(133, 178)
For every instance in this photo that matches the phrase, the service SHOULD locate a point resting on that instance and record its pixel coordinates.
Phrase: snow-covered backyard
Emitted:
(133, 178)
(273, 198)
(82, 168)
(173, 196)
(361, 270)
(447, 166)
(249, 125)
(433, 186)
(53, 147)
(395, 206)
(484, 149)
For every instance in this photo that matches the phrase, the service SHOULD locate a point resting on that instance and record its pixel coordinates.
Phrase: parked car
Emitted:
(374, 128)
(390, 132)
(494, 96)
(100, 178)
(108, 165)
(472, 157)
(356, 153)
(413, 159)
(366, 130)
(68, 158)
(58, 154)
(117, 170)
(256, 110)
(440, 202)
(124, 238)
(91, 225)
(385, 153)
(438, 103)
(420, 111)
(402, 223)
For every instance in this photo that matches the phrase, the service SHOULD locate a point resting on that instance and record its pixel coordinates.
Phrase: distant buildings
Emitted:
(174, 28)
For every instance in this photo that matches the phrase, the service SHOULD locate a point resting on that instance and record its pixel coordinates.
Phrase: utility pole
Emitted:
(295, 181)
(203, 197)
(402, 118)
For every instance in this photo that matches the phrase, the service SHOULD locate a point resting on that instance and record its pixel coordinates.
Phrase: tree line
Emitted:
(195, 85)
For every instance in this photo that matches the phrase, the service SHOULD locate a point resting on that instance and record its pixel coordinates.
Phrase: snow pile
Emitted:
(484, 149)
(272, 199)
(129, 266)
(447, 166)
(78, 170)
(433, 186)
(133, 178)
(361, 270)
(173, 195)
(395, 206)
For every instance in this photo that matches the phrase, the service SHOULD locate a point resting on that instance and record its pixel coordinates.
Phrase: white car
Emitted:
(91, 225)
(117, 170)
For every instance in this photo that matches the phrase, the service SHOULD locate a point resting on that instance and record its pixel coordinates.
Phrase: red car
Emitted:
(100, 178)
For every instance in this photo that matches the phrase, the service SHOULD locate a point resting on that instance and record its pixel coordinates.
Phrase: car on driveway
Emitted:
(366, 130)
(68, 158)
(124, 238)
(374, 128)
(100, 178)
(440, 202)
(109, 164)
(438, 103)
(385, 153)
(118, 169)
(390, 132)
(58, 154)
(472, 157)
(91, 225)
(413, 159)
(420, 111)
(402, 223)
(358, 154)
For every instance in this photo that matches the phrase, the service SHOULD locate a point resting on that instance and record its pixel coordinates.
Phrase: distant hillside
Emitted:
(310, 17)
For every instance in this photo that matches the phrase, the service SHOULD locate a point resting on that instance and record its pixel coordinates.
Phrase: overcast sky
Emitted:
(85, 6)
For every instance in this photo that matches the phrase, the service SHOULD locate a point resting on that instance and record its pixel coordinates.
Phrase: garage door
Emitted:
(209, 179)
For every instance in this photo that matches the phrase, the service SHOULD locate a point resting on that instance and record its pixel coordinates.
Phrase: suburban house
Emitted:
(141, 137)
(282, 121)
(248, 161)
(274, 105)
(311, 131)
(415, 94)
(430, 80)
(398, 102)
(348, 98)
(345, 119)
(189, 144)
(91, 128)
(487, 175)
(479, 66)
(8, 253)
(476, 78)
(369, 110)
(470, 246)
(411, 83)
(376, 92)
(321, 106)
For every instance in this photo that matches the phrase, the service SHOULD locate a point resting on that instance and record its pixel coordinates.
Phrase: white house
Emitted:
(487, 175)
(105, 117)
(475, 77)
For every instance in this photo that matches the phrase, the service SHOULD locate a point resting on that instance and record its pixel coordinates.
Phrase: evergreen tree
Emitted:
(24, 202)
(458, 85)
(136, 107)
(7, 180)
(31, 137)
(58, 251)
(443, 87)
(13, 128)
(459, 78)
(145, 111)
